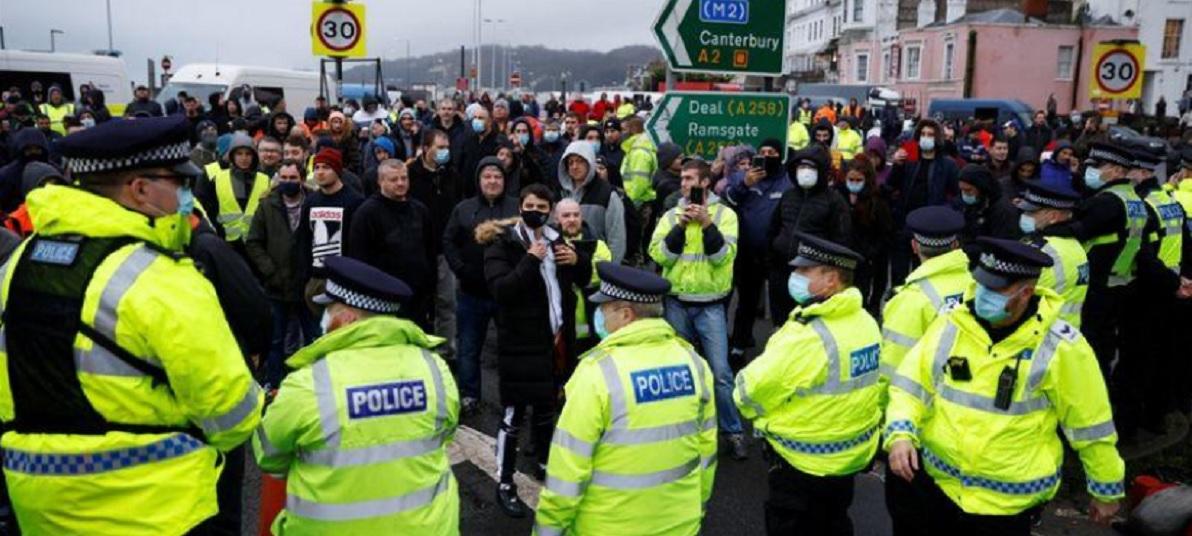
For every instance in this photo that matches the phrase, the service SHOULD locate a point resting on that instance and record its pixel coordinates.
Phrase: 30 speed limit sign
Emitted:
(1117, 71)
(337, 29)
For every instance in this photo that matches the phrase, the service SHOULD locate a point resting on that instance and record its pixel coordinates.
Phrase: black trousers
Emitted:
(749, 276)
(1099, 320)
(902, 258)
(921, 508)
(781, 302)
(542, 426)
(799, 503)
(229, 490)
(872, 278)
(1135, 343)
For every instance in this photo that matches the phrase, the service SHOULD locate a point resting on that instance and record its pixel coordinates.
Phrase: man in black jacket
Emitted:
(393, 233)
(986, 211)
(447, 120)
(482, 143)
(326, 218)
(931, 180)
(475, 307)
(434, 183)
(810, 207)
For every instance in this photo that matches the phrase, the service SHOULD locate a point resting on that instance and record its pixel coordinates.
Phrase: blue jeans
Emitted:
(283, 314)
(709, 322)
(472, 316)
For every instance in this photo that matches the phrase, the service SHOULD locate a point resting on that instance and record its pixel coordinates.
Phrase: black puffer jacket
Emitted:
(819, 211)
(993, 215)
(525, 343)
(464, 255)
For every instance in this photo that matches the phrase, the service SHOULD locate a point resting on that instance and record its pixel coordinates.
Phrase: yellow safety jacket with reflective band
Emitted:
(1183, 195)
(697, 275)
(1122, 271)
(797, 137)
(236, 219)
(602, 254)
(991, 461)
(638, 168)
(813, 394)
(849, 143)
(1068, 276)
(1171, 228)
(805, 116)
(634, 451)
(159, 309)
(57, 114)
(936, 284)
(359, 430)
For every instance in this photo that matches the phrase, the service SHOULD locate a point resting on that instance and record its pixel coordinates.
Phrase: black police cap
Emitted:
(356, 284)
(1109, 153)
(1039, 195)
(124, 144)
(935, 226)
(1003, 262)
(622, 283)
(815, 251)
(1148, 153)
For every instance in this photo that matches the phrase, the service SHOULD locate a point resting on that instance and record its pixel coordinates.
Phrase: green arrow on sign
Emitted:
(726, 36)
(702, 123)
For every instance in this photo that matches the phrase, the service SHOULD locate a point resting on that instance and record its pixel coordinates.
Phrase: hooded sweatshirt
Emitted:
(755, 206)
(242, 180)
(666, 182)
(599, 204)
(11, 195)
(819, 211)
(463, 253)
(877, 145)
(1011, 186)
(993, 215)
(1053, 173)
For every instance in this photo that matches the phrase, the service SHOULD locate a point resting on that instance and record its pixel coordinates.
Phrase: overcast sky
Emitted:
(276, 32)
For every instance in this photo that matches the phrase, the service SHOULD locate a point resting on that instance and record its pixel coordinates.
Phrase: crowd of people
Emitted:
(884, 250)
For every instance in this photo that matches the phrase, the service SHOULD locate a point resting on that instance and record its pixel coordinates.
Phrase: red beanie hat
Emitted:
(332, 158)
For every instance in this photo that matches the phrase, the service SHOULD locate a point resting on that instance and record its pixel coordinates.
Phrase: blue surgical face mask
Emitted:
(854, 187)
(1092, 177)
(551, 136)
(523, 139)
(442, 156)
(186, 201)
(1026, 222)
(477, 125)
(991, 304)
(969, 199)
(799, 287)
(927, 143)
(595, 146)
(598, 323)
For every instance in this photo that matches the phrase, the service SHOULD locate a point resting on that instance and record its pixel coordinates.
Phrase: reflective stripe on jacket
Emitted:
(697, 275)
(234, 218)
(1068, 276)
(638, 168)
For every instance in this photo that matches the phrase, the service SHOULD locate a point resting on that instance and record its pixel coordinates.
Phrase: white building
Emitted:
(811, 25)
(1165, 28)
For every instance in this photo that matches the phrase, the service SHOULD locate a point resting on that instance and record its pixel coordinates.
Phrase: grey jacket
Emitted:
(599, 204)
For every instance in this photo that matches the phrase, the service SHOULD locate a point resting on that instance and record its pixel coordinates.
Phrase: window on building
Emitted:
(1063, 62)
(858, 10)
(1172, 33)
(949, 59)
(862, 67)
(885, 67)
(912, 62)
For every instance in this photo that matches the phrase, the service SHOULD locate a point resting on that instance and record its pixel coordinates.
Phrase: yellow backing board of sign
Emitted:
(1117, 70)
(337, 30)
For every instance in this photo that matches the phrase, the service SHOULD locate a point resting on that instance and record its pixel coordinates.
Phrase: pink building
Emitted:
(984, 55)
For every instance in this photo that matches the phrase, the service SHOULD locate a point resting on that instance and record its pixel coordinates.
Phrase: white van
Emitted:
(200, 80)
(20, 68)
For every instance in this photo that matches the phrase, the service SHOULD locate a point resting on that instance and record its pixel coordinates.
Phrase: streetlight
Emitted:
(494, 62)
(52, 34)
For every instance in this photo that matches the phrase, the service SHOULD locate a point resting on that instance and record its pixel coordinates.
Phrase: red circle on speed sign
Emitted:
(1117, 71)
(338, 29)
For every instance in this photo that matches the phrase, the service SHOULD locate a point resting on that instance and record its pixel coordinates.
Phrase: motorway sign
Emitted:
(702, 123)
(337, 29)
(725, 36)
(1117, 71)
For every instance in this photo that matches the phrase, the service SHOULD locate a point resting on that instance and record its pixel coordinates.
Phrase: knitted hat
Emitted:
(332, 158)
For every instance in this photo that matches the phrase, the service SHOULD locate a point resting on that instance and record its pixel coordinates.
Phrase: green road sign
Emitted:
(701, 123)
(727, 36)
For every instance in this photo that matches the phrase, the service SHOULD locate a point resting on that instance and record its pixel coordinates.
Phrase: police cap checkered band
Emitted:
(164, 155)
(809, 252)
(1101, 154)
(935, 241)
(990, 262)
(623, 294)
(358, 300)
(1033, 197)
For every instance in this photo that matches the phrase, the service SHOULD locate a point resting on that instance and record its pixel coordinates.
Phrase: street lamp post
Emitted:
(493, 65)
(52, 34)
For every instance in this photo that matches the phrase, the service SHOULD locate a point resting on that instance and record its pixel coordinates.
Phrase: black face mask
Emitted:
(534, 219)
(773, 166)
(290, 188)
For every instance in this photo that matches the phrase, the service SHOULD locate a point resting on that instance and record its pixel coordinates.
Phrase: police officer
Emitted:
(1045, 206)
(634, 451)
(813, 394)
(978, 399)
(124, 381)
(360, 428)
(939, 281)
(1181, 181)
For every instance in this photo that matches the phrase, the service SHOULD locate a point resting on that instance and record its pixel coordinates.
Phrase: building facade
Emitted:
(811, 30)
(1165, 28)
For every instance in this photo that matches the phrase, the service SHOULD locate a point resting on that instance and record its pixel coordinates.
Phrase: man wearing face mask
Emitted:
(986, 211)
(106, 282)
(482, 142)
(638, 429)
(814, 394)
(530, 270)
(1005, 366)
(754, 194)
(810, 207)
(434, 183)
(551, 148)
(929, 181)
(1044, 207)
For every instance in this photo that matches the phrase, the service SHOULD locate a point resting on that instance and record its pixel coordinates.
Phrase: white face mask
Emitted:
(806, 178)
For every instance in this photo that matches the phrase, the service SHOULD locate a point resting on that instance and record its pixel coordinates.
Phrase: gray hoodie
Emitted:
(606, 222)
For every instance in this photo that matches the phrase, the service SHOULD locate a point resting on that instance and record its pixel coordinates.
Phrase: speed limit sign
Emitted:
(337, 29)
(1117, 71)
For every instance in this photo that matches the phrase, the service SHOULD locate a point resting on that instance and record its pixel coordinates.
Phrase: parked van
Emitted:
(269, 85)
(996, 109)
(20, 68)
